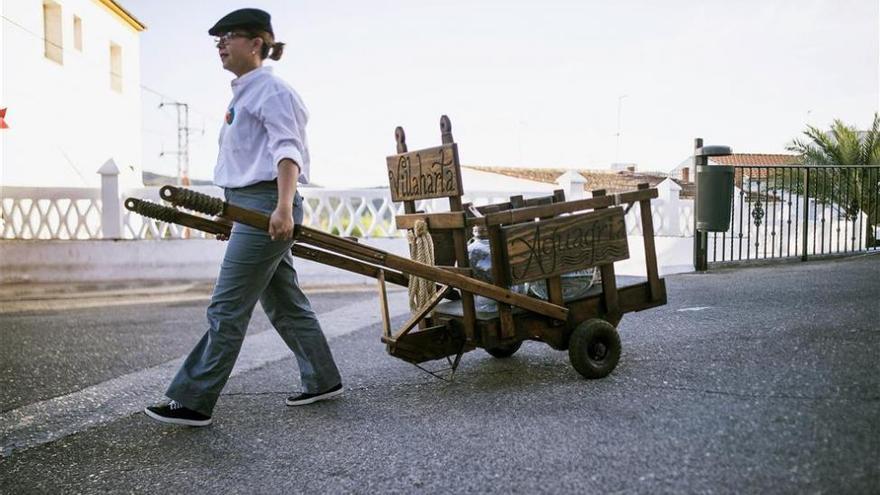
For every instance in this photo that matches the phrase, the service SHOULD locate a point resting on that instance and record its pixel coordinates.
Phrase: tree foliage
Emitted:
(841, 145)
(855, 188)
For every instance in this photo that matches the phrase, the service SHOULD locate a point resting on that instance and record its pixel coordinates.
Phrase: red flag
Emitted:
(2, 117)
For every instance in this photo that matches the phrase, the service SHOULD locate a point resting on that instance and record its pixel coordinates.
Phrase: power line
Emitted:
(172, 98)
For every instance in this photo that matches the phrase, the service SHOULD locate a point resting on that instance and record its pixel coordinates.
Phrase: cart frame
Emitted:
(585, 326)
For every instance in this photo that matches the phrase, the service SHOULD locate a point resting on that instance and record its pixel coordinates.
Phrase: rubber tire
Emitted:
(594, 348)
(504, 351)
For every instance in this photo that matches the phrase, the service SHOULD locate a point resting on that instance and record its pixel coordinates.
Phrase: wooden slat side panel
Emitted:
(631, 298)
(444, 220)
(496, 207)
(531, 212)
(547, 248)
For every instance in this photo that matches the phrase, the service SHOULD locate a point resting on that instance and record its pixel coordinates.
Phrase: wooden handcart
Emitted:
(530, 239)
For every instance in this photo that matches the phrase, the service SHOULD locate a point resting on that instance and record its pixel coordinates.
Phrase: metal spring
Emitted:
(152, 210)
(199, 202)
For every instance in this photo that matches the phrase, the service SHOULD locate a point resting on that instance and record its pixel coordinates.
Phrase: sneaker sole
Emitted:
(317, 398)
(178, 421)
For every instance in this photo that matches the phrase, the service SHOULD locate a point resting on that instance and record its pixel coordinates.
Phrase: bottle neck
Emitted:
(480, 232)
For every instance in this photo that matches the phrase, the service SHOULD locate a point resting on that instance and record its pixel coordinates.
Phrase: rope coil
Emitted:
(193, 200)
(421, 248)
(152, 210)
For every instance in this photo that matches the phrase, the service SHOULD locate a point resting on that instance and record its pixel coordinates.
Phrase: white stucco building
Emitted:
(70, 79)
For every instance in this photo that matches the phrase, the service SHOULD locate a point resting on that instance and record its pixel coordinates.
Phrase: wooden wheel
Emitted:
(594, 348)
(504, 351)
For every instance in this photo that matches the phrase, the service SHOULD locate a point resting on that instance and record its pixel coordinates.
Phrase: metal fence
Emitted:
(800, 211)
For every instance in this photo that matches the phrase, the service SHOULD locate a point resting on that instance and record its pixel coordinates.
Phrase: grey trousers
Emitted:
(254, 268)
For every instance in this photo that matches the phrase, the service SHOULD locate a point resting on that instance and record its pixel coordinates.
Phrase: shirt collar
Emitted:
(241, 82)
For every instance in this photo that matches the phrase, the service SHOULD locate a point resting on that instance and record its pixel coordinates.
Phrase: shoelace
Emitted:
(174, 405)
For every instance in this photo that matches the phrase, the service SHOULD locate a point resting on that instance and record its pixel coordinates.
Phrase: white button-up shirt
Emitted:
(265, 123)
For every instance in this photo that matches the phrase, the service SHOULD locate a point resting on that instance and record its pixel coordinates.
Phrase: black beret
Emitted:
(243, 18)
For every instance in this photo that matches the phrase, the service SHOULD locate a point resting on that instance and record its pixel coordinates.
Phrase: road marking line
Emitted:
(695, 308)
(52, 419)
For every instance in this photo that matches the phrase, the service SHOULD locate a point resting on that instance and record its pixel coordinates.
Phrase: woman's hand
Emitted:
(224, 221)
(281, 223)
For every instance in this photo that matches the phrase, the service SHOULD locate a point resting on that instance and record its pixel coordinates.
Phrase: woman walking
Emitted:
(263, 155)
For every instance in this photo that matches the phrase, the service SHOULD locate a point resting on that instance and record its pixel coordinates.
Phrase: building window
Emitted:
(77, 33)
(52, 37)
(116, 67)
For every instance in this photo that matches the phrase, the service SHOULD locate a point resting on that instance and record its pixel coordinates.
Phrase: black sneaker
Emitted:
(303, 399)
(174, 413)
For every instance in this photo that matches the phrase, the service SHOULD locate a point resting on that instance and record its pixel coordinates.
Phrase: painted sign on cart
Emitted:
(424, 174)
(547, 248)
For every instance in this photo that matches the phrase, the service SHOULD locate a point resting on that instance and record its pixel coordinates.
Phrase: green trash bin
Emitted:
(714, 197)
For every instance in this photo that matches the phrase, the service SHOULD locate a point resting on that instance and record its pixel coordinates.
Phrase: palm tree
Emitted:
(842, 145)
(856, 189)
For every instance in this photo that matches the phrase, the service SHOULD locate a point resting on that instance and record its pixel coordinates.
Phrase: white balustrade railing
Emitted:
(50, 213)
(671, 218)
(75, 213)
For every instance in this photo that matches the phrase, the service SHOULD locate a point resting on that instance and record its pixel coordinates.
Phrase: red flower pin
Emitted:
(2, 119)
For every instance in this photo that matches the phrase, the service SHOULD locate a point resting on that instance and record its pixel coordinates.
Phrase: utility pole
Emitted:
(617, 147)
(182, 152)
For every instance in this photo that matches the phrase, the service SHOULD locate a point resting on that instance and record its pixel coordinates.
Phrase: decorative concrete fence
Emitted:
(89, 214)
(62, 234)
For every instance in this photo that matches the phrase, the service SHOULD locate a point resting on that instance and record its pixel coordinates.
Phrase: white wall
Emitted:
(64, 120)
(199, 259)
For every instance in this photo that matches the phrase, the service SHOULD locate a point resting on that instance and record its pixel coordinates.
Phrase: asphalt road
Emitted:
(50, 353)
(753, 380)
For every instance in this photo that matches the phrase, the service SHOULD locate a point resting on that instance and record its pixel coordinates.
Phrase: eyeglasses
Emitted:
(225, 37)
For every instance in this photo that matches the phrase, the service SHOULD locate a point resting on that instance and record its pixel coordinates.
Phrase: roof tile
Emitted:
(611, 181)
(757, 159)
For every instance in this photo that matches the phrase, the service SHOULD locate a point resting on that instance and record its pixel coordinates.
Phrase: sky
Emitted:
(563, 84)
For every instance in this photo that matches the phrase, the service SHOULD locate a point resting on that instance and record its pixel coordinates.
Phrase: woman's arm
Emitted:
(281, 221)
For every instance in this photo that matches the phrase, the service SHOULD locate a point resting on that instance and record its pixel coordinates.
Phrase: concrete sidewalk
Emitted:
(21, 297)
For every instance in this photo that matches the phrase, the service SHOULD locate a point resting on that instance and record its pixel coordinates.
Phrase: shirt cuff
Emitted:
(289, 152)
